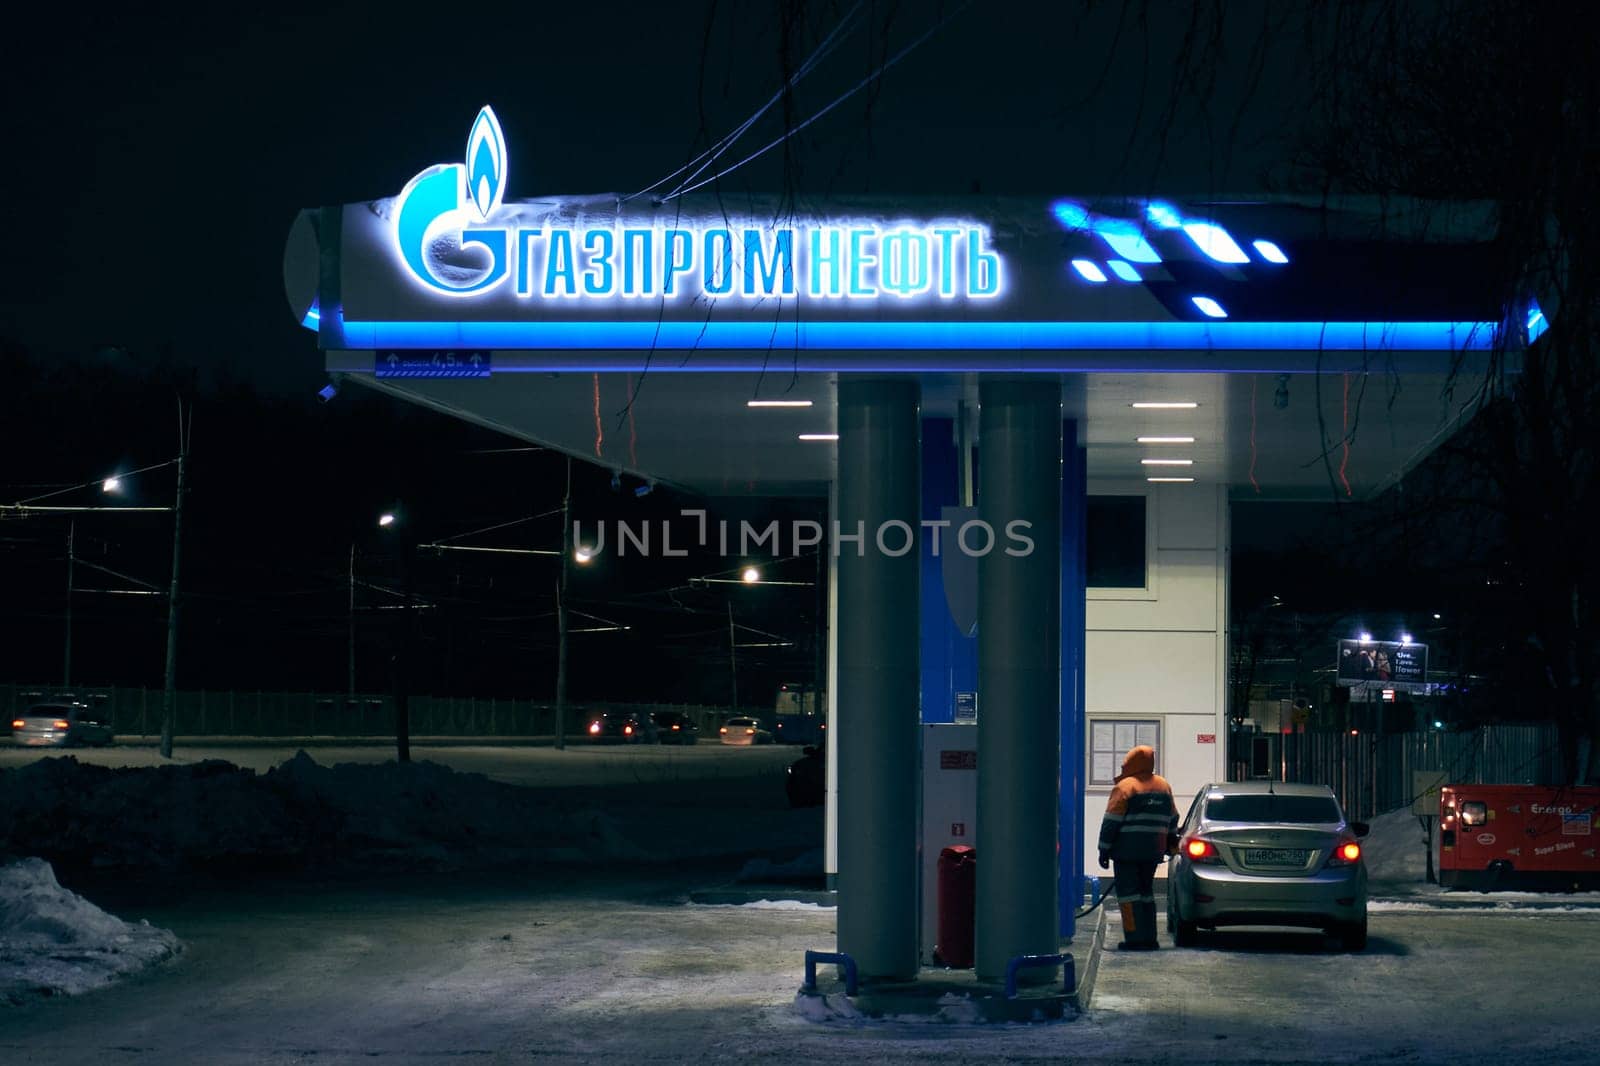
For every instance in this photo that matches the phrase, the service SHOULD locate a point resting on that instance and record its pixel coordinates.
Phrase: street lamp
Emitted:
(401, 678)
(751, 575)
(582, 556)
(111, 484)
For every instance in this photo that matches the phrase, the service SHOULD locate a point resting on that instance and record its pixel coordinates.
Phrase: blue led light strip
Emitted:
(926, 336)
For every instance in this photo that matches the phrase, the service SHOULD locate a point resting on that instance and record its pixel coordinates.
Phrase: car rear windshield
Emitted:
(1270, 808)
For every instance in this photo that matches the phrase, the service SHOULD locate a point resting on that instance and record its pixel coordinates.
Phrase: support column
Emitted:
(877, 694)
(1019, 671)
(1074, 623)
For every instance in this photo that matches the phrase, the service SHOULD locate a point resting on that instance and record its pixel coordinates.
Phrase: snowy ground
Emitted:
(613, 967)
(604, 962)
(54, 942)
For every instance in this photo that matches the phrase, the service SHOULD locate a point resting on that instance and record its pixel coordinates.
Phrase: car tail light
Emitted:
(724, 729)
(676, 728)
(749, 732)
(62, 723)
(1346, 854)
(1199, 849)
(594, 727)
(18, 724)
(627, 730)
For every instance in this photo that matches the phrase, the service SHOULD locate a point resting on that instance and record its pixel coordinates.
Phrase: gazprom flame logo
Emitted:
(486, 163)
(432, 216)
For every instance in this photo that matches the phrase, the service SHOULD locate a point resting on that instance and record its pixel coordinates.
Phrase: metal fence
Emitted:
(137, 712)
(1371, 773)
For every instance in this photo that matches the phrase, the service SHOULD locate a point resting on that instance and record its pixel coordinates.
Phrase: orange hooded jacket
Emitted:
(1141, 819)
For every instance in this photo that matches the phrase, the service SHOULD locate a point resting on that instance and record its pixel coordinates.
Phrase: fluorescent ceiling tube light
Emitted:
(819, 436)
(1162, 405)
(777, 403)
(1167, 462)
(1164, 440)
(1169, 480)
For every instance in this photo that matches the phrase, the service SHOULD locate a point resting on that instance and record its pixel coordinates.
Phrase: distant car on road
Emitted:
(621, 727)
(742, 730)
(675, 728)
(1263, 853)
(61, 724)
(806, 779)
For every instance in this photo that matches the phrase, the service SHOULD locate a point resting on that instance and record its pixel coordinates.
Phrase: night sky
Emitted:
(157, 161)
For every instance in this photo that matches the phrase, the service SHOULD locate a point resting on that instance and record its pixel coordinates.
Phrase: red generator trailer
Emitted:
(1519, 836)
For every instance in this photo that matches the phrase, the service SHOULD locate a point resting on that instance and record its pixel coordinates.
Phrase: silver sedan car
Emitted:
(1264, 853)
(60, 724)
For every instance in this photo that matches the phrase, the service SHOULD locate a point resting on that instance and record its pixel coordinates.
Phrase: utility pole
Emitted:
(561, 613)
(733, 660)
(352, 622)
(66, 665)
(169, 693)
(402, 669)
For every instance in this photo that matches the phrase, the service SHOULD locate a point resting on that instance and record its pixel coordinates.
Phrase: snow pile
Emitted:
(1527, 904)
(1397, 847)
(771, 905)
(299, 815)
(55, 942)
(823, 1008)
(806, 867)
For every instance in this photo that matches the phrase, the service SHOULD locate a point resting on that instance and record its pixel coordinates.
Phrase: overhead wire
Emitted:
(711, 154)
(882, 69)
(96, 481)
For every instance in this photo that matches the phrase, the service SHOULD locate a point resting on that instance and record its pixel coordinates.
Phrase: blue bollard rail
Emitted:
(1069, 977)
(838, 958)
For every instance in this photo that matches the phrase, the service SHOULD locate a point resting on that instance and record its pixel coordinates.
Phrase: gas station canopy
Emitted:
(654, 336)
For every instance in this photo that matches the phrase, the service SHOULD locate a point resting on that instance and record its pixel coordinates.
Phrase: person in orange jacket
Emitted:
(1138, 832)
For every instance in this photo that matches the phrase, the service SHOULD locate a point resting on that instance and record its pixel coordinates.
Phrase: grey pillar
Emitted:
(878, 674)
(1019, 670)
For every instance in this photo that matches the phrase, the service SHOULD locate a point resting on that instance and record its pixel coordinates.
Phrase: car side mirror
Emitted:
(1360, 829)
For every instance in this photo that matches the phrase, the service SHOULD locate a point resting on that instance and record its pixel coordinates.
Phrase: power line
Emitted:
(710, 155)
(862, 84)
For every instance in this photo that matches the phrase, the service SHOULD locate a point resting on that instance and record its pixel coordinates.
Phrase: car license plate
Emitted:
(1275, 857)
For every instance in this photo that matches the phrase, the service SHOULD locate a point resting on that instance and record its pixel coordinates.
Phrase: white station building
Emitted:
(1064, 393)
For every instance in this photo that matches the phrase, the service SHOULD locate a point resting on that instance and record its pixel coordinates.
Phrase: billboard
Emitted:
(1383, 664)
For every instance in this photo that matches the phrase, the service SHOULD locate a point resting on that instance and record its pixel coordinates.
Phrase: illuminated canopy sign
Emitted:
(458, 207)
(452, 264)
